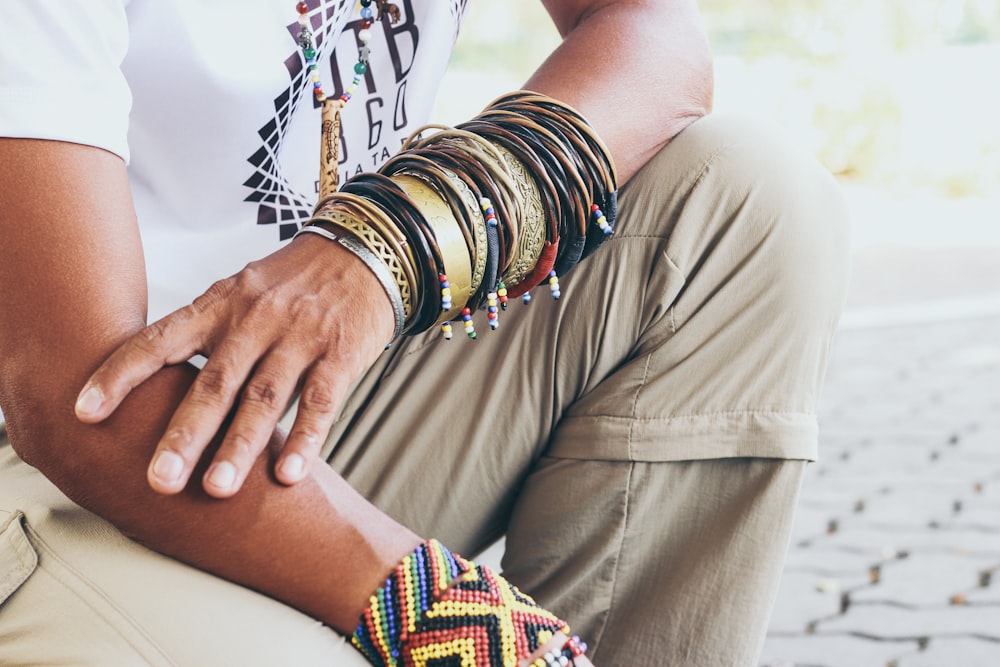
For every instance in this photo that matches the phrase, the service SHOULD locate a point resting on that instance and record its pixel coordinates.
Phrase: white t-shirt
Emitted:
(222, 135)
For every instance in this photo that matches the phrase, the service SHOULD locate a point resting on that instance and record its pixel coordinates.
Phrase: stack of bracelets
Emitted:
(472, 216)
(462, 219)
(465, 218)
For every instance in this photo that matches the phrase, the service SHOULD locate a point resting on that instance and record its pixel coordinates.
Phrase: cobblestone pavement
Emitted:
(895, 555)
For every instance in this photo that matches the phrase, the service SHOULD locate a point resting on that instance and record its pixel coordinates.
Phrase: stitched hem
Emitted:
(757, 434)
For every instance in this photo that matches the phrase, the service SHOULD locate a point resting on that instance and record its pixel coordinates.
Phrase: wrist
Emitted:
(372, 279)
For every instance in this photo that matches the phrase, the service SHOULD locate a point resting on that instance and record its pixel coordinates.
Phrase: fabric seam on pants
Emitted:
(618, 556)
(635, 405)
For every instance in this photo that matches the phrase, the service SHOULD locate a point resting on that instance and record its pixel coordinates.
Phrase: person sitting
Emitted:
(638, 432)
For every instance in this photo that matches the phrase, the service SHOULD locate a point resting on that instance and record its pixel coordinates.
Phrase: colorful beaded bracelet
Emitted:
(439, 608)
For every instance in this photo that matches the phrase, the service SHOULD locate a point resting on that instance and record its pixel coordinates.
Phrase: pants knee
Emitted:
(736, 194)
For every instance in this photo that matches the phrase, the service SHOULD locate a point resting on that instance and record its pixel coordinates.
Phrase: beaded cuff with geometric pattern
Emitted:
(437, 608)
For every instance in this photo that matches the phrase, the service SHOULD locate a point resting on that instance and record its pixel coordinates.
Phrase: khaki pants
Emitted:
(640, 443)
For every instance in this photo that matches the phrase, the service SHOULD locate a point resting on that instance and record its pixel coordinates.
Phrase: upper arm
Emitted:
(72, 282)
(639, 70)
(71, 268)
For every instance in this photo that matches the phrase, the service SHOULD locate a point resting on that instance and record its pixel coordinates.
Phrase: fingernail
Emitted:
(221, 475)
(89, 401)
(292, 466)
(167, 467)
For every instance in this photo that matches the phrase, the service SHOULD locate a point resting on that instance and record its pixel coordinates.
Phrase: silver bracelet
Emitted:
(372, 262)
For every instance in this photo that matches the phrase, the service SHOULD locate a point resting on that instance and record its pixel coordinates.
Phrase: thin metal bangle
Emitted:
(372, 262)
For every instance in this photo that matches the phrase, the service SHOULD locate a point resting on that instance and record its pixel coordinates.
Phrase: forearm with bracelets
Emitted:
(459, 219)
(467, 217)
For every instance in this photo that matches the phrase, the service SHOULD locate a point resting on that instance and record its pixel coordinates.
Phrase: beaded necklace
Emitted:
(329, 176)
(493, 153)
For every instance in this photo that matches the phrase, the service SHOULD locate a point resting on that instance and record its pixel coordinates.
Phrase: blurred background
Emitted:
(896, 545)
(899, 99)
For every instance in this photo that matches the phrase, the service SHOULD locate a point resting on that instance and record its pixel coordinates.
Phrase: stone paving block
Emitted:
(833, 448)
(825, 650)
(983, 597)
(866, 543)
(875, 541)
(832, 492)
(926, 579)
(986, 442)
(884, 465)
(885, 411)
(883, 433)
(832, 487)
(837, 562)
(918, 488)
(812, 521)
(803, 598)
(985, 591)
(827, 498)
(887, 477)
(946, 518)
(986, 519)
(945, 652)
(828, 581)
(975, 508)
(908, 507)
(963, 466)
(886, 621)
(882, 456)
(986, 488)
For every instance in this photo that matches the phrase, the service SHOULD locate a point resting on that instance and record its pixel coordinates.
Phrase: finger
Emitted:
(200, 415)
(321, 396)
(172, 340)
(553, 646)
(261, 405)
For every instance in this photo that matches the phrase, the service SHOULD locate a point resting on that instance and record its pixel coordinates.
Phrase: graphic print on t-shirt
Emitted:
(380, 100)
(277, 202)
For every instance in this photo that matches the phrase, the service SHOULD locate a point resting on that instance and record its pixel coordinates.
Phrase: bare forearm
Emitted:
(71, 290)
(639, 71)
(311, 545)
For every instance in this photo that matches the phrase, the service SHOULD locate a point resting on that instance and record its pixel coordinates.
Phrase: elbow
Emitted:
(689, 79)
(44, 433)
(36, 441)
(702, 83)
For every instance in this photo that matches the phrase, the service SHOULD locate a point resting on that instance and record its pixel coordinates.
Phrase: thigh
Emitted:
(75, 591)
(699, 331)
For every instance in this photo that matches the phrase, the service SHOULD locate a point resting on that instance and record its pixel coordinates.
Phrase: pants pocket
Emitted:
(18, 559)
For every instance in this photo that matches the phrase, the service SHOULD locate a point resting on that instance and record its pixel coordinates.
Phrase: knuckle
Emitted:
(213, 385)
(251, 279)
(153, 336)
(241, 445)
(318, 399)
(263, 392)
(217, 293)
